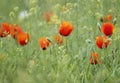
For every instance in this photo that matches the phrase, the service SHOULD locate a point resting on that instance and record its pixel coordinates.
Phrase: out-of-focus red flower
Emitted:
(66, 28)
(110, 17)
(94, 58)
(15, 30)
(99, 41)
(44, 43)
(107, 28)
(5, 29)
(48, 15)
(58, 39)
(106, 18)
(102, 41)
(23, 38)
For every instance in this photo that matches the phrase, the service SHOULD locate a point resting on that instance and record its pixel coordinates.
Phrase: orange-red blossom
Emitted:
(107, 28)
(5, 29)
(94, 58)
(102, 41)
(23, 38)
(44, 43)
(66, 28)
(58, 39)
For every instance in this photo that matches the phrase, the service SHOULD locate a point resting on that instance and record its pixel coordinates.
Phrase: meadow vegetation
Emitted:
(53, 56)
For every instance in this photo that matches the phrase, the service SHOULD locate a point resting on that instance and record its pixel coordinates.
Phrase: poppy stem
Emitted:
(33, 53)
(50, 50)
(113, 55)
(65, 43)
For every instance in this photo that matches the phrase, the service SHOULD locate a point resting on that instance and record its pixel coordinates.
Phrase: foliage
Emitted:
(59, 63)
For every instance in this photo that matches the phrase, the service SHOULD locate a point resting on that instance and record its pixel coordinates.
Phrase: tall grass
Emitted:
(66, 63)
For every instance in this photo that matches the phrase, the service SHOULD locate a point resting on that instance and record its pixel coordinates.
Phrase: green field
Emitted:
(65, 63)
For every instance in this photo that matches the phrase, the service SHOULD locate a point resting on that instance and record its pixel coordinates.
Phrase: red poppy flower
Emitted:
(58, 39)
(94, 58)
(15, 30)
(48, 16)
(109, 17)
(23, 38)
(44, 43)
(4, 30)
(99, 41)
(107, 28)
(102, 41)
(106, 18)
(93, 61)
(66, 28)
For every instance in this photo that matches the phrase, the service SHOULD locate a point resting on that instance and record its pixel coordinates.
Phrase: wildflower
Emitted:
(55, 19)
(23, 15)
(94, 58)
(102, 41)
(4, 30)
(109, 17)
(23, 38)
(58, 39)
(106, 18)
(44, 43)
(48, 15)
(66, 28)
(107, 28)
(15, 30)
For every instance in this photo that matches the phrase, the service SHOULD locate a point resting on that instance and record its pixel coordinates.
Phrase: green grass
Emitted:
(67, 63)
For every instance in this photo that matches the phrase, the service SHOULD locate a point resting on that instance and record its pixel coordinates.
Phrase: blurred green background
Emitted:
(58, 64)
(84, 7)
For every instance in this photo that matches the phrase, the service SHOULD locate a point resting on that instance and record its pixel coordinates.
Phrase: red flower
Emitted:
(23, 38)
(44, 43)
(15, 30)
(65, 29)
(107, 28)
(94, 58)
(109, 17)
(99, 41)
(106, 18)
(58, 39)
(5, 30)
(102, 41)
(48, 16)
